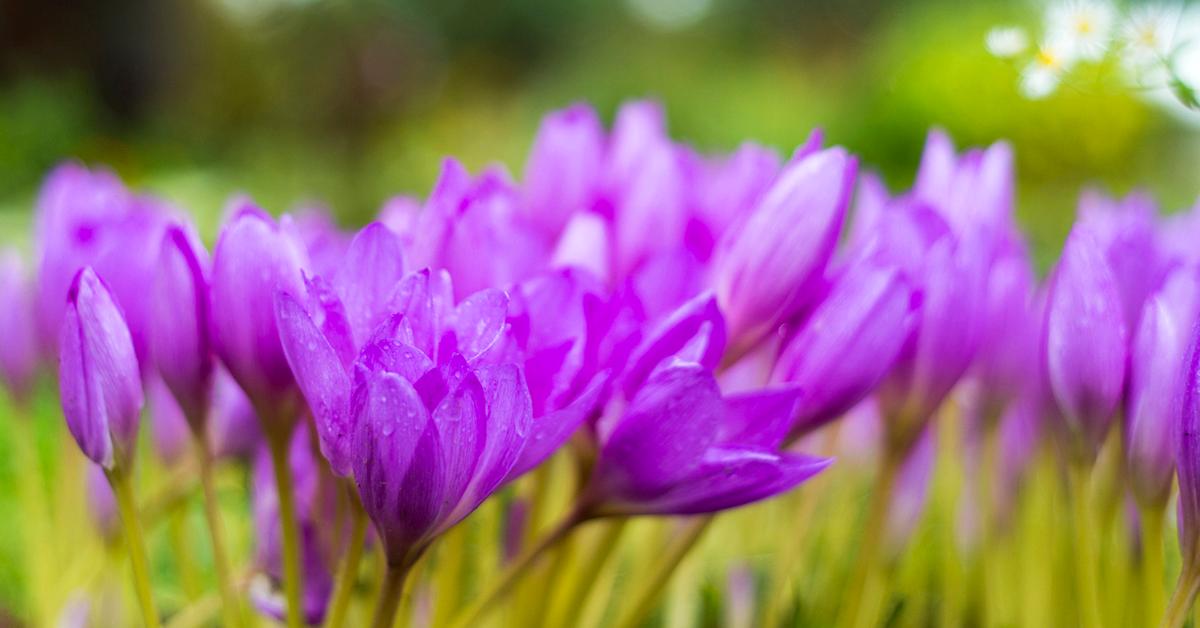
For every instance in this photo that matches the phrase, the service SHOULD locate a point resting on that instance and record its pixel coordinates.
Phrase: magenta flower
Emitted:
(99, 383)
(768, 269)
(18, 327)
(169, 428)
(232, 428)
(848, 344)
(682, 448)
(181, 335)
(1010, 332)
(1188, 459)
(1085, 342)
(253, 259)
(1156, 370)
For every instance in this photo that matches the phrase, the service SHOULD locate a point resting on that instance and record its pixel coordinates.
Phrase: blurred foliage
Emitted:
(348, 102)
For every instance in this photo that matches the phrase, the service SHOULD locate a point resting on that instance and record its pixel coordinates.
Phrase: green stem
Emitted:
(1182, 599)
(521, 564)
(570, 604)
(291, 533)
(1154, 594)
(184, 562)
(389, 596)
(1085, 549)
(123, 490)
(647, 594)
(989, 566)
(861, 591)
(348, 571)
(216, 533)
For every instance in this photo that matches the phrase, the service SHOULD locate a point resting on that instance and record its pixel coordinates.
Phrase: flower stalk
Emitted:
(123, 490)
(289, 529)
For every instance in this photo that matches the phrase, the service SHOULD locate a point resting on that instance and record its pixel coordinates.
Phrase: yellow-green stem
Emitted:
(1154, 594)
(569, 604)
(858, 604)
(123, 490)
(290, 532)
(348, 570)
(389, 596)
(519, 566)
(216, 534)
(989, 480)
(1085, 549)
(1182, 599)
(182, 548)
(646, 595)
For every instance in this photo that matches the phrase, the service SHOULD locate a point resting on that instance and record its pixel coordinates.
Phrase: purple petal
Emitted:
(550, 431)
(695, 332)
(168, 426)
(397, 463)
(848, 344)
(18, 326)
(181, 331)
(425, 300)
(322, 379)
(562, 175)
(328, 314)
(760, 418)
(253, 259)
(367, 274)
(766, 272)
(479, 321)
(462, 423)
(664, 432)
(728, 478)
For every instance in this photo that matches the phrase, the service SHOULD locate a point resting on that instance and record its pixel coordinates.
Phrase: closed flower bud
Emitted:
(253, 260)
(1085, 343)
(99, 381)
(769, 269)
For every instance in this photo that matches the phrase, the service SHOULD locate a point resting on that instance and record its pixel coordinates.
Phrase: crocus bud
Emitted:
(1009, 335)
(1156, 368)
(99, 382)
(253, 260)
(768, 270)
(1125, 231)
(1085, 343)
(562, 176)
(181, 328)
(848, 344)
(682, 448)
(18, 351)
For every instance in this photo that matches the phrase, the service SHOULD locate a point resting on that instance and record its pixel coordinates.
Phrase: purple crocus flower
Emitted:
(973, 191)
(680, 447)
(253, 259)
(725, 191)
(370, 269)
(1085, 342)
(848, 344)
(19, 351)
(1010, 333)
(181, 336)
(767, 270)
(89, 219)
(948, 272)
(99, 383)
(1156, 368)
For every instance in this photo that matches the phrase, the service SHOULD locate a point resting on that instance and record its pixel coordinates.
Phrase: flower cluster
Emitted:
(1156, 45)
(675, 324)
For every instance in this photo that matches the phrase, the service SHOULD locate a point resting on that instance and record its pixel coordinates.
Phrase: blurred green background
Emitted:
(347, 102)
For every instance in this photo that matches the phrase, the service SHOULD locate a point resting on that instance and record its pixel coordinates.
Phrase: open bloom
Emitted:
(1085, 342)
(680, 447)
(98, 374)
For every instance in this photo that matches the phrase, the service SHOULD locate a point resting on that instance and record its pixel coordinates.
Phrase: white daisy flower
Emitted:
(1149, 36)
(1041, 77)
(1006, 42)
(1084, 26)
